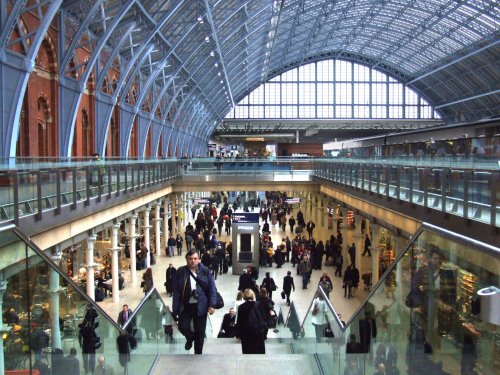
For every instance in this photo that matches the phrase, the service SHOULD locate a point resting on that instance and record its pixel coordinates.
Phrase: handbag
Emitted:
(283, 295)
(219, 301)
(328, 331)
(97, 342)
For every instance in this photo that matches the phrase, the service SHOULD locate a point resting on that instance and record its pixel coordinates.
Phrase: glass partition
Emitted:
(48, 321)
(423, 316)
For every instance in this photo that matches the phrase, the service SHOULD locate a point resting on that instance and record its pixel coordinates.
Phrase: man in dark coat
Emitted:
(228, 324)
(71, 364)
(310, 228)
(123, 318)
(192, 301)
(352, 253)
(367, 331)
(368, 245)
(347, 282)
(288, 284)
(291, 222)
(245, 282)
(169, 278)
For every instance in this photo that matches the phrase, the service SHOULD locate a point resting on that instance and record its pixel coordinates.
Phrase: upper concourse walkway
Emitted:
(81, 193)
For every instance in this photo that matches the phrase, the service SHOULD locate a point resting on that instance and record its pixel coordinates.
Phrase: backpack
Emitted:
(256, 322)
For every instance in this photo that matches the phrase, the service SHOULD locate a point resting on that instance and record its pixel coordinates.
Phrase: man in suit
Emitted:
(71, 363)
(123, 318)
(228, 324)
(287, 286)
(193, 300)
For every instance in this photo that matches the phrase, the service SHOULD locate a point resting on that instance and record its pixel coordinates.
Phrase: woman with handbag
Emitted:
(319, 319)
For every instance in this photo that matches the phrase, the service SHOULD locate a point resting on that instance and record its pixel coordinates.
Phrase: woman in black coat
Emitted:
(87, 339)
(125, 343)
(251, 342)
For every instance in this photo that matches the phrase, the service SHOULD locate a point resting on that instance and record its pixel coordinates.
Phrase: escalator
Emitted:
(423, 316)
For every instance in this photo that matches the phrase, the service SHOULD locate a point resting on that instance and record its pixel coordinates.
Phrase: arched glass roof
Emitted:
(204, 56)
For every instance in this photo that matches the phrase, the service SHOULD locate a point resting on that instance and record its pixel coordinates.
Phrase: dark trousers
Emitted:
(288, 297)
(338, 271)
(88, 362)
(190, 313)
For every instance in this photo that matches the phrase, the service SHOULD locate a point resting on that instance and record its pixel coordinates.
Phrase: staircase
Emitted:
(223, 356)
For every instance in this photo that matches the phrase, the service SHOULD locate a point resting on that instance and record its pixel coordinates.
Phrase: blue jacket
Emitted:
(181, 284)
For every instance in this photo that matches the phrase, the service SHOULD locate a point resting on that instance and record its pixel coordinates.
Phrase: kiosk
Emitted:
(245, 237)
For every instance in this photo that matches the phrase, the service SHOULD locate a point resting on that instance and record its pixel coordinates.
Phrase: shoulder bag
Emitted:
(219, 301)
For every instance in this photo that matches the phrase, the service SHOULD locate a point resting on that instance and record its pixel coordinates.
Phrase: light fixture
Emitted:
(216, 65)
(221, 81)
(212, 53)
(219, 74)
(200, 19)
(207, 39)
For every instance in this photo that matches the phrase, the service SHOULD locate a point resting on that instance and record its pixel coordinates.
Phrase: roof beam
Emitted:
(494, 92)
(219, 51)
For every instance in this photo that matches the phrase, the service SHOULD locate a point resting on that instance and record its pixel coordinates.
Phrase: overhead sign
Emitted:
(202, 201)
(245, 217)
(292, 200)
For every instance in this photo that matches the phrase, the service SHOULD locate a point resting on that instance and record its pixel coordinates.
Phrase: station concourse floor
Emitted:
(227, 284)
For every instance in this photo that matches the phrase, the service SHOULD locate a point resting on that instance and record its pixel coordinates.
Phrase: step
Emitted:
(248, 364)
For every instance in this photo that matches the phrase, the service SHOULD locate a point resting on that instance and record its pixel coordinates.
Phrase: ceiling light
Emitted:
(216, 65)
(212, 53)
(207, 39)
(219, 74)
(221, 81)
(200, 19)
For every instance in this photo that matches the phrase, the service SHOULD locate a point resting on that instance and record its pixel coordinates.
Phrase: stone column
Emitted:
(375, 253)
(54, 290)
(146, 228)
(3, 288)
(399, 244)
(157, 222)
(173, 206)
(165, 222)
(114, 263)
(133, 260)
(179, 213)
(90, 266)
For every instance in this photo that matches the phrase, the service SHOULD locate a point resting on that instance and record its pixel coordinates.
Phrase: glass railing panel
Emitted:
(425, 310)
(6, 196)
(49, 189)
(27, 193)
(44, 315)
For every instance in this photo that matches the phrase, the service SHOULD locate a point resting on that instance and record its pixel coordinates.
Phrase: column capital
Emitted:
(90, 266)
(134, 216)
(92, 238)
(113, 249)
(56, 258)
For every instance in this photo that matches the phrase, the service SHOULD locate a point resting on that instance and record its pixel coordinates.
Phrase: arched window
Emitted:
(333, 89)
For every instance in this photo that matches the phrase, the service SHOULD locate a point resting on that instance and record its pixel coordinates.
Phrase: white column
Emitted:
(114, 263)
(157, 222)
(146, 228)
(173, 206)
(375, 253)
(3, 288)
(399, 243)
(165, 221)
(90, 265)
(133, 260)
(54, 290)
(179, 213)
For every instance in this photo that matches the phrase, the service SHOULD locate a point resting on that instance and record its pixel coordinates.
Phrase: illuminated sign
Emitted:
(201, 201)
(245, 217)
(292, 200)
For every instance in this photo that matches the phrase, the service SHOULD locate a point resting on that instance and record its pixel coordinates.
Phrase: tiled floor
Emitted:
(227, 284)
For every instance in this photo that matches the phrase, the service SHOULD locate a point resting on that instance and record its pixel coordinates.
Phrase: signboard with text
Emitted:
(245, 217)
(201, 201)
(292, 200)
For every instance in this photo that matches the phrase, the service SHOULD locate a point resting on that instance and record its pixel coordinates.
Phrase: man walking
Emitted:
(288, 284)
(194, 296)
(305, 271)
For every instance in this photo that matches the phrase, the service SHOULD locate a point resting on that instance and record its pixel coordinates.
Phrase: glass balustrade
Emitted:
(423, 316)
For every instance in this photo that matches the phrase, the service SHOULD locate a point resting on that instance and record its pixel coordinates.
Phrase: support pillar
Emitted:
(3, 288)
(375, 253)
(173, 207)
(114, 263)
(157, 222)
(165, 221)
(54, 290)
(90, 265)
(133, 254)
(179, 213)
(146, 228)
